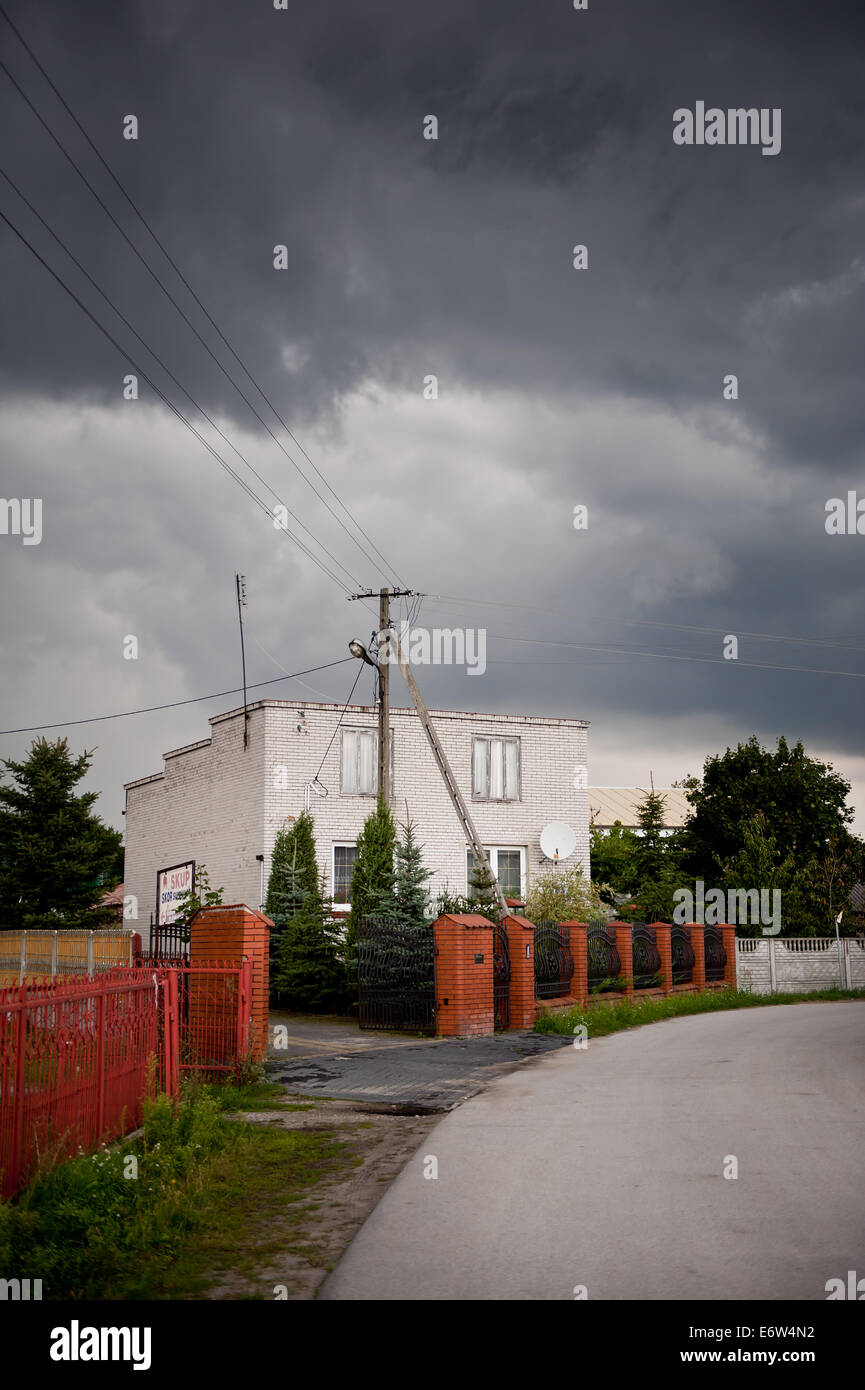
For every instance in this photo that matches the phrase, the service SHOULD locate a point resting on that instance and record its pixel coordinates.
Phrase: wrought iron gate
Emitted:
(501, 978)
(647, 957)
(683, 955)
(604, 962)
(716, 955)
(554, 964)
(396, 983)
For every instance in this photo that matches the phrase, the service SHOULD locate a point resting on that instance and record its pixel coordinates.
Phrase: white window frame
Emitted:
(492, 853)
(362, 729)
(489, 740)
(340, 844)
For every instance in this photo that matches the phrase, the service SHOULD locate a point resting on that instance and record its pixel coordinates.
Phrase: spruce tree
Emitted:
(56, 856)
(294, 876)
(410, 878)
(372, 879)
(483, 895)
(308, 973)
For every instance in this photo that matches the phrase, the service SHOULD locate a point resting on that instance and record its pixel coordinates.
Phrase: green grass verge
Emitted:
(211, 1194)
(601, 1019)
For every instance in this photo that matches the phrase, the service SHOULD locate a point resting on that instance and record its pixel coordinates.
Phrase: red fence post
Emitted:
(100, 1065)
(171, 1033)
(18, 1102)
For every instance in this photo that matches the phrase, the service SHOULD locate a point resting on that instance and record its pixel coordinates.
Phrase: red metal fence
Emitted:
(77, 1059)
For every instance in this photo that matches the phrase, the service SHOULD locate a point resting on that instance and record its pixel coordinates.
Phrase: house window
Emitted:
(508, 867)
(344, 857)
(358, 773)
(496, 769)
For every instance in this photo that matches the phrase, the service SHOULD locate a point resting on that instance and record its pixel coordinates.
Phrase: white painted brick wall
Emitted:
(221, 805)
(208, 806)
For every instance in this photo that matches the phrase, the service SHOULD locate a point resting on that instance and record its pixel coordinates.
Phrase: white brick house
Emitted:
(220, 804)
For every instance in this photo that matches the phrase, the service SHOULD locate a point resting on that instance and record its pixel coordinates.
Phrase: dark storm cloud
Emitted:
(408, 257)
(303, 128)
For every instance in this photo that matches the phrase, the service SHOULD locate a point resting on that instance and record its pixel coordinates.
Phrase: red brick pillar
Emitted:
(698, 944)
(224, 935)
(579, 951)
(464, 975)
(625, 947)
(521, 939)
(665, 951)
(728, 935)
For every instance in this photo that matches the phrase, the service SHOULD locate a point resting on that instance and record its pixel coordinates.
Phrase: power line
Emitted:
(175, 704)
(175, 409)
(845, 644)
(339, 721)
(192, 292)
(663, 656)
(124, 320)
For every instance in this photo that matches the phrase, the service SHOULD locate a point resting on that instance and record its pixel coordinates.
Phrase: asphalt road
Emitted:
(604, 1168)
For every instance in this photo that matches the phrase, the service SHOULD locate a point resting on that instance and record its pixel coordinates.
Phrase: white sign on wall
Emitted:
(171, 884)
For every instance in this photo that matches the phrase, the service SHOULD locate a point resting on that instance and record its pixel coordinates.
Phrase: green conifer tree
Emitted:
(56, 855)
(410, 878)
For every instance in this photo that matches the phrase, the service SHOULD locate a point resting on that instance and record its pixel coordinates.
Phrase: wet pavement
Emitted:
(335, 1058)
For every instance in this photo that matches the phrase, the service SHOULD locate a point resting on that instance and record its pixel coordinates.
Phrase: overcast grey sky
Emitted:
(409, 257)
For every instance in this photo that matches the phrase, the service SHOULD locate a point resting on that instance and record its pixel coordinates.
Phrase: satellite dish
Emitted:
(558, 840)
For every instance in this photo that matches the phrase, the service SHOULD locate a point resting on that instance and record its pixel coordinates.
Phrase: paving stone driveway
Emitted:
(334, 1058)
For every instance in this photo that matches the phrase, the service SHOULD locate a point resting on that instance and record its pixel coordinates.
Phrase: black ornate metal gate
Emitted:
(716, 955)
(396, 983)
(604, 962)
(501, 978)
(647, 957)
(554, 964)
(683, 955)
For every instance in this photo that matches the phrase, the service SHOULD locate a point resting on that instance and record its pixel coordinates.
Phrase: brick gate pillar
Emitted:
(625, 947)
(227, 934)
(728, 935)
(521, 939)
(665, 951)
(464, 975)
(698, 945)
(579, 950)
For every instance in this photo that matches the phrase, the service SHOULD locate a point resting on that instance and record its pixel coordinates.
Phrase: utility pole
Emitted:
(383, 668)
(240, 582)
(444, 768)
(392, 644)
(384, 701)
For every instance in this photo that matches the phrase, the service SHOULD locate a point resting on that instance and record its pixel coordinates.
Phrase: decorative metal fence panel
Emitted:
(169, 943)
(647, 957)
(501, 978)
(604, 962)
(716, 955)
(75, 1062)
(77, 1057)
(683, 955)
(396, 976)
(554, 964)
